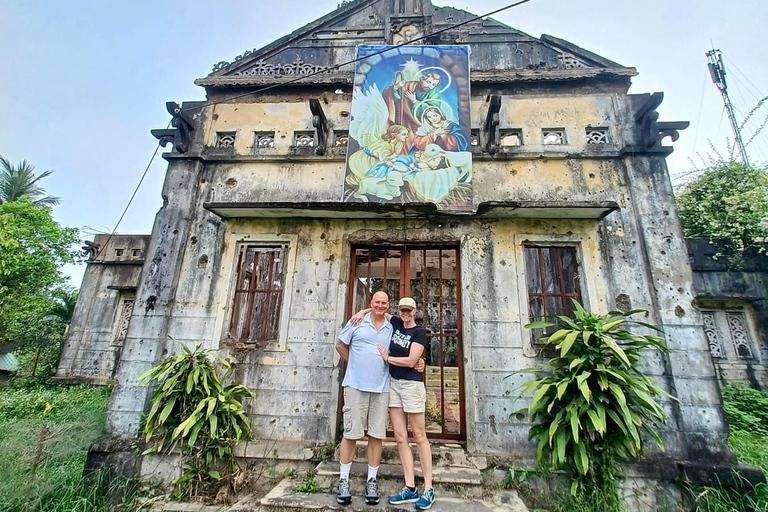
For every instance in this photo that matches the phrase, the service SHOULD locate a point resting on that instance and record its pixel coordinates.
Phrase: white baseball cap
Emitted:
(407, 303)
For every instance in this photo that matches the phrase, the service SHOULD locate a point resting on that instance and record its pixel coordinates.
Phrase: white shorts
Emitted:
(411, 395)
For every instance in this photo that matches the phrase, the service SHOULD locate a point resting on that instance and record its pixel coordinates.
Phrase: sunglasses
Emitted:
(408, 310)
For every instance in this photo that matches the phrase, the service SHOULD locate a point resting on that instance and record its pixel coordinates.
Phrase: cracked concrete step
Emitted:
(283, 499)
(443, 455)
(454, 482)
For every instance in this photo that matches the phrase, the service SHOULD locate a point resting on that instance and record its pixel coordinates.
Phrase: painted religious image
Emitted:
(410, 127)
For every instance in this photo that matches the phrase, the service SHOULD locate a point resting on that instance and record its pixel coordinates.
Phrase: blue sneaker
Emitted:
(426, 500)
(404, 496)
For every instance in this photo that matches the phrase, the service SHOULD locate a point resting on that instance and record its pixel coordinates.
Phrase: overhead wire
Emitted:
(297, 79)
(698, 117)
(358, 59)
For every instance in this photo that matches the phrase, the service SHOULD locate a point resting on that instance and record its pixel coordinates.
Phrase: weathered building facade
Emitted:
(256, 254)
(103, 309)
(732, 300)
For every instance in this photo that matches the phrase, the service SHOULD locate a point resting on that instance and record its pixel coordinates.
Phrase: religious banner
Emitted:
(409, 135)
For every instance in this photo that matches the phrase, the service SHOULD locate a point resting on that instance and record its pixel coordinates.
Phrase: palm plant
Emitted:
(593, 404)
(17, 181)
(64, 301)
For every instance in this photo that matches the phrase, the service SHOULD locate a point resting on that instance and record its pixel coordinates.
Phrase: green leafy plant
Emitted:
(309, 484)
(515, 475)
(592, 406)
(728, 202)
(192, 411)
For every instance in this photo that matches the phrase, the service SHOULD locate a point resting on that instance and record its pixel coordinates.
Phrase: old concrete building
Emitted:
(733, 305)
(100, 320)
(570, 199)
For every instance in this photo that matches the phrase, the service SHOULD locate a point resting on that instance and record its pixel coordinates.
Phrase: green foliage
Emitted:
(17, 181)
(729, 202)
(593, 406)
(309, 484)
(45, 433)
(64, 301)
(515, 476)
(32, 249)
(747, 411)
(193, 412)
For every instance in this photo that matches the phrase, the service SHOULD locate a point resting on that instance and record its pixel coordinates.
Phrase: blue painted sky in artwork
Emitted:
(385, 65)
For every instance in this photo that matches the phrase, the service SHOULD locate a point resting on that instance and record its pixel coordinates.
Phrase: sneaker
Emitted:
(426, 500)
(343, 496)
(371, 492)
(404, 496)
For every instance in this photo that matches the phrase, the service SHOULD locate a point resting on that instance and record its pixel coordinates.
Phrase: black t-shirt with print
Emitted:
(400, 346)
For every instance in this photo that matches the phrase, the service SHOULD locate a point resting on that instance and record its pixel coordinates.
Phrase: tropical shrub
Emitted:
(192, 411)
(728, 203)
(593, 405)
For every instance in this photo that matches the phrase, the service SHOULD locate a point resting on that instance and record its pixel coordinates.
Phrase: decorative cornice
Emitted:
(485, 76)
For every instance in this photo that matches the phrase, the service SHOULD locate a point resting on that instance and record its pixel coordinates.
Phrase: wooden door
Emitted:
(431, 275)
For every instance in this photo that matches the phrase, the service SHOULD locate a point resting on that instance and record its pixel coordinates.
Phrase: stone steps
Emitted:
(443, 455)
(447, 481)
(283, 499)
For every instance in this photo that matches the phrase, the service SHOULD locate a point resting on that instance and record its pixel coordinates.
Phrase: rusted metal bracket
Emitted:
(320, 122)
(490, 131)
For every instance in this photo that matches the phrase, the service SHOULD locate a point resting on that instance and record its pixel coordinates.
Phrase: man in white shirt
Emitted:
(366, 394)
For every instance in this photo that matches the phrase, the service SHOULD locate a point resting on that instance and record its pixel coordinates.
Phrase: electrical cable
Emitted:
(297, 79)
(353, 61)
(133, 196)
(698, 117)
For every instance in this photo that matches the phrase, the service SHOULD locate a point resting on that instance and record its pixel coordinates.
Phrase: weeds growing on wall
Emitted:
(593, 406)
(194, 413)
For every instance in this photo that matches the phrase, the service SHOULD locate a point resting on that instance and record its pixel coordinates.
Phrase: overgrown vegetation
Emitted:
(192, 411)
(728, 202)
(592, 406)
(45, 434)
(747, 411)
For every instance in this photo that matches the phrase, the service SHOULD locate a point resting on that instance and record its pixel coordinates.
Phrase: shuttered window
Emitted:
(552, 275)
(258, 296)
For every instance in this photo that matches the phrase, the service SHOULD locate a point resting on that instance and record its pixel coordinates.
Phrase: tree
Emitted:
(32, 249)
(20, 180)
(63, 308)
(728, 202)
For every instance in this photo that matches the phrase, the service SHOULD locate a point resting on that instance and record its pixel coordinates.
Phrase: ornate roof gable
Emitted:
(332, 40)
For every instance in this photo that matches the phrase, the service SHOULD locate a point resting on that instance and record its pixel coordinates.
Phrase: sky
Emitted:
(83, 82)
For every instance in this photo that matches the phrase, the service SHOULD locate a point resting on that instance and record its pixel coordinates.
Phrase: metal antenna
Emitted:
(717, 71)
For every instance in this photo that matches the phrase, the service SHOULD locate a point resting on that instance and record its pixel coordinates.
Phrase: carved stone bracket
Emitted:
(670, 129)
(90, 249)
(490, 132)
(320, 122)
(651, 130)
(647, 117)
(181, 135)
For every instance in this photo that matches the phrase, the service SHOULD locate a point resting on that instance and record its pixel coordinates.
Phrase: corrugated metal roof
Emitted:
(8, 363)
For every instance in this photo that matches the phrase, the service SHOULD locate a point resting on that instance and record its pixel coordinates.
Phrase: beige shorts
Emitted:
(411, 395)
(363, 408)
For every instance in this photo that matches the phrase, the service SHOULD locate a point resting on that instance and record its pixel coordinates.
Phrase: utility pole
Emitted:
(717, 71)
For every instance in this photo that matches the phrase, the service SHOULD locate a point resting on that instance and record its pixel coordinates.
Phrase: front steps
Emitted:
(457, 480)
(282, 499)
